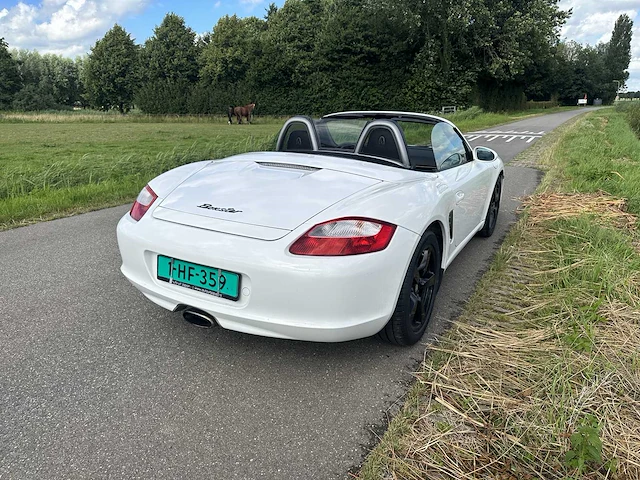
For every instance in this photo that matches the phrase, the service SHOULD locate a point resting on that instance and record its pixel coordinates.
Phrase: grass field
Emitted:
(57, 164)
(540, 376)
(55, 169)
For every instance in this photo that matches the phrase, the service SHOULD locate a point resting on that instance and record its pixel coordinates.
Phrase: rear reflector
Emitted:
(344, 236)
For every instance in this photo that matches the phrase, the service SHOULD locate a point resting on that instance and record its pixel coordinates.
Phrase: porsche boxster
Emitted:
(343, 231)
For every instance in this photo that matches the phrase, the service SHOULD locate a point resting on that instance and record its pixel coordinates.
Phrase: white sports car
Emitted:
(342, 232)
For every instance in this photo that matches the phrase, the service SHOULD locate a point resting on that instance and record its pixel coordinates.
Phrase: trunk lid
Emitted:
(257, 199)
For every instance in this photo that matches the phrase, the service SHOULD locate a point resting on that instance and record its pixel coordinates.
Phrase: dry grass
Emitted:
(538, 351)
(601, 207)
(92, 116)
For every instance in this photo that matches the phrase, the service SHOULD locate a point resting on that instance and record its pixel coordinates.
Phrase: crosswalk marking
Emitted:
(507, 135)
(506, 132)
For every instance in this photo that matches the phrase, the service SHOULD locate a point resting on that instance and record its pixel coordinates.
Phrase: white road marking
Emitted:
(508, 135)
(500, 132)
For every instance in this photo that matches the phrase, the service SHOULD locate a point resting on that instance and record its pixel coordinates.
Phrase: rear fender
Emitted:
(415, 206)
(166, 182)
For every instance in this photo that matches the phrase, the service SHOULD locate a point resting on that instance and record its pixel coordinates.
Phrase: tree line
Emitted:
(316, 56)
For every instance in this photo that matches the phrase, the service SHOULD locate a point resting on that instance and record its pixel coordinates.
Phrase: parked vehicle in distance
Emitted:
(343, 232)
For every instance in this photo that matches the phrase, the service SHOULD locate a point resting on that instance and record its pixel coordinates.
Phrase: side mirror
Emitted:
(485, 154)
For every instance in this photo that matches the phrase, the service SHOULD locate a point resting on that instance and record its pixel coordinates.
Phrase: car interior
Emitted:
(299, 140)
(376, 140)
(380, 142)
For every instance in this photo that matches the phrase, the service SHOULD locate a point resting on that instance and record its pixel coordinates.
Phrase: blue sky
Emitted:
(71, 27)
(200, 16)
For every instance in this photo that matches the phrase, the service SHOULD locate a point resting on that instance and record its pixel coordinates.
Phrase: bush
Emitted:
(632, 113)
(504, 98)
(467, 114)
(31, 98)
(163, 97)
(531, 104)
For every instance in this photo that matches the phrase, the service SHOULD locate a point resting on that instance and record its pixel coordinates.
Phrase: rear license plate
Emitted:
(213, 281)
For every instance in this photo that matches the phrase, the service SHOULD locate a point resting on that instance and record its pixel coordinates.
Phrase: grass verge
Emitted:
(540, 377)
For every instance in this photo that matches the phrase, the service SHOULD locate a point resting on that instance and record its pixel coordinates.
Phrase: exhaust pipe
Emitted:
(198, 318)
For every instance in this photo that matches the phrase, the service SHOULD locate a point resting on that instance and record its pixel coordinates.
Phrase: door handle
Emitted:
(459, 197)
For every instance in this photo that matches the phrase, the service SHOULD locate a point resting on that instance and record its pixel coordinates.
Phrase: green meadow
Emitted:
(56, 169)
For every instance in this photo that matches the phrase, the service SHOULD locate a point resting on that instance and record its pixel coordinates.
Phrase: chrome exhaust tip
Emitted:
(198, 318)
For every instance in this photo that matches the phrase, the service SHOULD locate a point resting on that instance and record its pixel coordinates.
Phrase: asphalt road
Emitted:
(97, 382)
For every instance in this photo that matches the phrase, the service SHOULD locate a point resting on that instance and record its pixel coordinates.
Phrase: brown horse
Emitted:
(240, 112)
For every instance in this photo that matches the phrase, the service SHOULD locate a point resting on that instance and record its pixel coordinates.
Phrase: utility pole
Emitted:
(617, 90)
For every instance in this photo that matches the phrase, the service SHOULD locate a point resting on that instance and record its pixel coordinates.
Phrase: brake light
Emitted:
(344, 236)
(145, 199)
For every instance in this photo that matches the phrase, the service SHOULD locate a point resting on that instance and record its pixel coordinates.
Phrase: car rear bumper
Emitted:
(323, 299)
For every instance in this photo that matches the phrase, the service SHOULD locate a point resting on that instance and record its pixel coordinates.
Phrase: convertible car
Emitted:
(343, 232)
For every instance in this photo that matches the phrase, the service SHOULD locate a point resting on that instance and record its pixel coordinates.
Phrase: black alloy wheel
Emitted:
(417, 295)
(492, 212)
(423, 289)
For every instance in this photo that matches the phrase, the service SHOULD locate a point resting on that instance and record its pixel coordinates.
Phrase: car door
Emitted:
(450, 188)
(473, 180)
(464, 178)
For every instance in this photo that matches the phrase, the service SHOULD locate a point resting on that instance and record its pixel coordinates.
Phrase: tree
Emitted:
(515, 35)
(231, 50)
(171, 53)
(365, 49)
(445, 70)
(31, 98)
(512, 42)
(592, 70)
(10, 81)
(170, 68)
(287, 72)
(488, 49)
(228, 56)
(83, 95)
(53, 81)
(64, 79)
(111, 71)
(618, 51)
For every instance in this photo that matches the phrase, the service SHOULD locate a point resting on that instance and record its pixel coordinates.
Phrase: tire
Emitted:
(491, 218)
(417, 295)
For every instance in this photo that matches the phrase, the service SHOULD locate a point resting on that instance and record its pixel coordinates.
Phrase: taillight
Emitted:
(145, 199)
(344, 236)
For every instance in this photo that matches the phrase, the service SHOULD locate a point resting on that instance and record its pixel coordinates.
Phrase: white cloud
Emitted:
(633, 84)
(592, 28)
(66, 27)
(592, 22)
